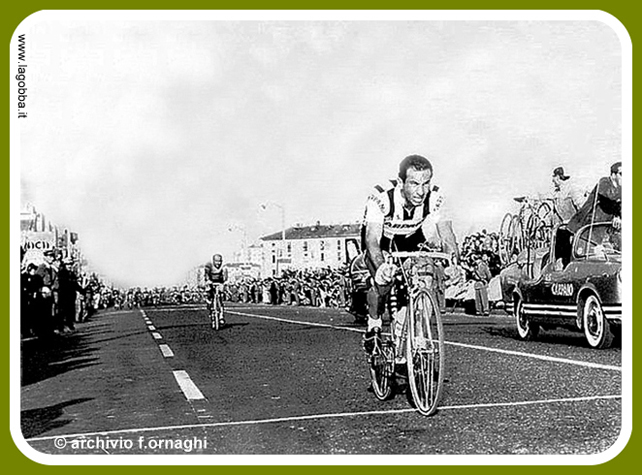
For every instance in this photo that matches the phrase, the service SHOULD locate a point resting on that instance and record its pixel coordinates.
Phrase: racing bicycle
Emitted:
(416, 338)
(215, 306)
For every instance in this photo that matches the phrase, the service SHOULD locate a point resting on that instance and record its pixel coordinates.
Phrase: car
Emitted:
(579, 286)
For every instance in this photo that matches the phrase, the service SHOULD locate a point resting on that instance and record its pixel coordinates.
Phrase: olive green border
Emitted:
(15, 11)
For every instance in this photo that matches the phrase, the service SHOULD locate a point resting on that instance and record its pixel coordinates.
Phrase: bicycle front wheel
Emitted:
(382, 371)
(425, 352)
(214, 317)
(219, 316)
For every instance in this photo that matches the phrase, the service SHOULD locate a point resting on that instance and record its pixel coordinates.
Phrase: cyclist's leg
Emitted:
(376, 298)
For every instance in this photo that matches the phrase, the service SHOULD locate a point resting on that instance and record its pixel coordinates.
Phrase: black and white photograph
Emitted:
(321, 237)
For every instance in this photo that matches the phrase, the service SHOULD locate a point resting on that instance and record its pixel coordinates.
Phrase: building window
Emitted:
(273, 258)
(289, 249)
(339, 245)
(322, 245)
(322, 257)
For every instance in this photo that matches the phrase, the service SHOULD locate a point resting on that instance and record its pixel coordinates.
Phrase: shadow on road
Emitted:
(553, 336)
(44, 358)
(35, 422)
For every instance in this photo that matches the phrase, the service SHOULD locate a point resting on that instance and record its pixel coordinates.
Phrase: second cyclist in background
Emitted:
(215, 277)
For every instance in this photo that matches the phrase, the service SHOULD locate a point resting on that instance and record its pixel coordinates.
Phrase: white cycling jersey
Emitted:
(385, 207)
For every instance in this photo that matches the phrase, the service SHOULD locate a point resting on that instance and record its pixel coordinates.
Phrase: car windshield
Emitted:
(600, 241)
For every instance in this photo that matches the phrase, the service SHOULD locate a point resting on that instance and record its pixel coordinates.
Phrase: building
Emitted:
(241, 270)
(305, 247)
(39, 234)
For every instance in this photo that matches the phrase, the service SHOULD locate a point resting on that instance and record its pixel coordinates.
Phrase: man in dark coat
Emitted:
(67, 287)
(30, 284)
(604, 203)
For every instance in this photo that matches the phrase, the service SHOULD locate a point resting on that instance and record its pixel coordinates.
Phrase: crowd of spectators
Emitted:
(324, 287)
(55, 295)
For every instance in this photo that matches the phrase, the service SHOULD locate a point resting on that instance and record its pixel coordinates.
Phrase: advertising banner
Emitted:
(35, 244)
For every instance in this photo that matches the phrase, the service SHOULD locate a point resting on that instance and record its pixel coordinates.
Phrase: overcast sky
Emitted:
(159, 141)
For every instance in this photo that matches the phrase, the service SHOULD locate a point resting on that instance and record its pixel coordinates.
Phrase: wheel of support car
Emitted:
(597, 329)
(526, 329)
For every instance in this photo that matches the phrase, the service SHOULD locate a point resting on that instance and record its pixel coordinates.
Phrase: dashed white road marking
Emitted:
(151, 328)
(332, 416)
(187, 385)
(157, 335)
(464, 345)
(166, 350)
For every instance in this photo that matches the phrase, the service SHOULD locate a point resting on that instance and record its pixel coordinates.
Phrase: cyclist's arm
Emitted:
(447, 237)
(374, 231)
(376, 208)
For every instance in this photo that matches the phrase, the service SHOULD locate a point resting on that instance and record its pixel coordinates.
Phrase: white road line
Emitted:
(151, 328)
(180, 309)
(157, 335)
(296, 322)
(167, 351)
(538, 357)
(329, 416)
(464, 345)
(187, 385)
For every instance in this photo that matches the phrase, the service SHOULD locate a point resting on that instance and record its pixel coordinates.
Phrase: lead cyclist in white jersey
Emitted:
(401, 218)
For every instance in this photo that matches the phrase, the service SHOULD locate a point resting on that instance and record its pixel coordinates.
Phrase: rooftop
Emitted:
(317, 231)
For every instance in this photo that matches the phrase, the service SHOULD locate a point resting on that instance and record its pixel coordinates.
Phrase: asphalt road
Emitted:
(293, 380)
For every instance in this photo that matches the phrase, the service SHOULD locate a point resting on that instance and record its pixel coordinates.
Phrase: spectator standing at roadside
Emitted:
(30, 284)
(68, 287)
(48, 301)
(482, 276)
(274, 293)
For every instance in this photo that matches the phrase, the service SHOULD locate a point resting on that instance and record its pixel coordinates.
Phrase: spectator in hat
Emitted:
(68, 287)
(481, 276)
(567, 197)
(30, 284)
(48, 272)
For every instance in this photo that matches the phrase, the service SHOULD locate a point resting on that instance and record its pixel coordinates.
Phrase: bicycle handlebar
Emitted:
(433, 254)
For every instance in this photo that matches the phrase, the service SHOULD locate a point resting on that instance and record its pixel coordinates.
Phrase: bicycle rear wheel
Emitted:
(382, 371)
(504, 239)
(425, 352)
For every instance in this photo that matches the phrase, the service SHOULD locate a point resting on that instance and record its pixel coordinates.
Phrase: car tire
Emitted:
(526, 329)
(597, 329)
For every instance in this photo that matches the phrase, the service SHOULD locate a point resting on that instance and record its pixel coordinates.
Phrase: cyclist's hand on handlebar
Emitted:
(385, 273)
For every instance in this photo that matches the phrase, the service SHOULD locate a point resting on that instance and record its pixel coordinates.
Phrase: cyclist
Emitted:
(401, 217)
(215, 277)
